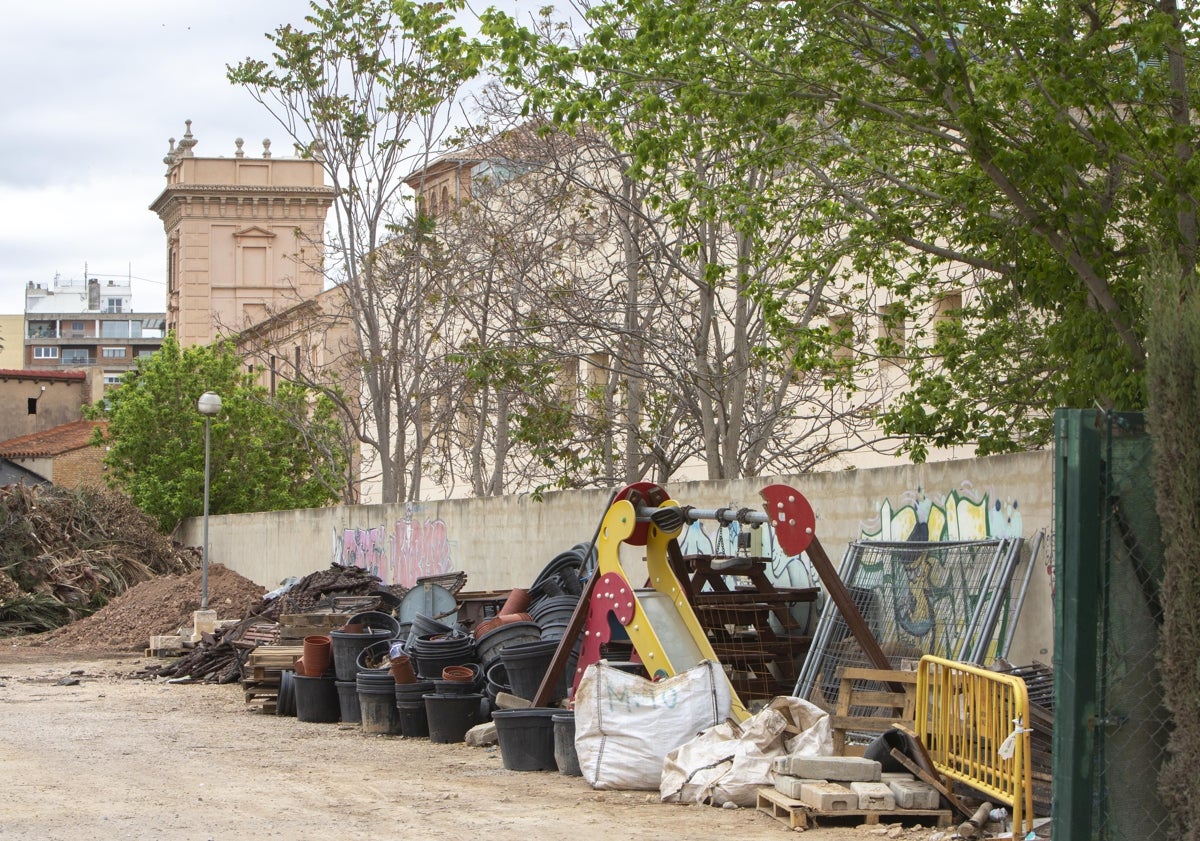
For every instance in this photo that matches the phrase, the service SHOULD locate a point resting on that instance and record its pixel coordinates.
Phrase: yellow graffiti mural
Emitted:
(961, 514)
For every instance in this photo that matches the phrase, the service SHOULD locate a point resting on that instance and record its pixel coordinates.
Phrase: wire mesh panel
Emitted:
(1133, 726)
(1111, 729)
(941, 598)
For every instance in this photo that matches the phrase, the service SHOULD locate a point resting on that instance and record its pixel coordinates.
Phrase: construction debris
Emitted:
(159, 607)
(218, 657)
(66, 553)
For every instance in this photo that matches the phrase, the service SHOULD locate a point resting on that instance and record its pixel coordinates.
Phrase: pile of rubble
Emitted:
(217, 658)
(66, 553)
(162, 605)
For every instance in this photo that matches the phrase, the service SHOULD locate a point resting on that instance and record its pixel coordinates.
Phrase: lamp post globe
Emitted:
(209, 405)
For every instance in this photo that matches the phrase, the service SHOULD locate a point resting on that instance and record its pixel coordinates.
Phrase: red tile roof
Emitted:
(30, 374)
(50, 442)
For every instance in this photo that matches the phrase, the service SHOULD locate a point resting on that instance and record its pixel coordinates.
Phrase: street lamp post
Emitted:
(209, 405)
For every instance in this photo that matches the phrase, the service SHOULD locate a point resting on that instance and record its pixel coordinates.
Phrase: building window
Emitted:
(75, 356)
(890, 335)
(116, 329)
(113, 352)
(45, 353)
(842, 334)
(144, 353)
(111, 380)
(76, 329)
(114, 305)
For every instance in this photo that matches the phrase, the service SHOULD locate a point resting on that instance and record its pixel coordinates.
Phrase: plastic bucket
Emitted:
(526, 738)
(316, 698)
(451, 716)
(527, 664)
(379, 713)
(565, 756)
(347, 647)
(376, 621)
(351, 712)
(489, 646)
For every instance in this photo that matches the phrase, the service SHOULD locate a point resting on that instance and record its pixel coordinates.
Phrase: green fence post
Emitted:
(1079, 493)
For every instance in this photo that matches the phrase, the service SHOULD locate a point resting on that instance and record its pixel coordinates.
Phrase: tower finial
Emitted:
(188, 141)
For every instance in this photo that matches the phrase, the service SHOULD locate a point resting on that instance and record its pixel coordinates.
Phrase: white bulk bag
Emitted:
(625, 724)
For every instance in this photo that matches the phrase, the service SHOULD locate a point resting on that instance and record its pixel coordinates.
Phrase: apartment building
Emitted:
(87, 325)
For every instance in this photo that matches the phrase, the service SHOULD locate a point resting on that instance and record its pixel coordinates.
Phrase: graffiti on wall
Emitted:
(961, 514)
(400, 554)
(934, 593)
(782, 569)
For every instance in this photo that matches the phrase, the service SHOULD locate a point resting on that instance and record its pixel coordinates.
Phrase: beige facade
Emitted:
(244, 238)
(12, 349)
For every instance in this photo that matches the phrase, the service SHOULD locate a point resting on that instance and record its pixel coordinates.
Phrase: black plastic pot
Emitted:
(350, 711)
(285, 701)
(451, 716)
(565, 756)
(526, 738)
(316, 698)
(347, 647)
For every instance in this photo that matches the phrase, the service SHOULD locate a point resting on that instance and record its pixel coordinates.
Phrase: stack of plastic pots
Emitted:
(377, 701)
(410, 704)
(434, 652)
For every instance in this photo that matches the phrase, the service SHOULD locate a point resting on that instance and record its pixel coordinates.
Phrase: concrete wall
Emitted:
(504, 542)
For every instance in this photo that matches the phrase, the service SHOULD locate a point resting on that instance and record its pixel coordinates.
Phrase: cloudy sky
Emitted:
(92, 91)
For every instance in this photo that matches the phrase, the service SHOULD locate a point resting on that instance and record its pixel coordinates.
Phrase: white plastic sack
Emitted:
(625, 724)
(729, 762)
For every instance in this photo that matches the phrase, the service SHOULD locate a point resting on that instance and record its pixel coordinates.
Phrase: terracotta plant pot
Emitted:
(354, 628)
(402, 669)
(318, 654)
(517, 602)
(298, 666)
(497, 621)
(461, 674)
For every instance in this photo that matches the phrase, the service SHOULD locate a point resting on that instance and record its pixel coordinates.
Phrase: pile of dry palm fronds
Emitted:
(65, 553)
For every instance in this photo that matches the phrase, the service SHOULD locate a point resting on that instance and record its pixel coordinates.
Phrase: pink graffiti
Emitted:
(422, 549)
(366, 548)
(411, 550)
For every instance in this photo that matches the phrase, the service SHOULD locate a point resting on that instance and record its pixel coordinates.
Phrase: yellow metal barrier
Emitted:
(973, 723)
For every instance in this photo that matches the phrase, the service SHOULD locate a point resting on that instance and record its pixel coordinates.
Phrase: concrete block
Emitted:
(888, 776)
(828, 797)
(790, 786)
(482, 735)
(835, 768)
(914, 794)
(874, 796)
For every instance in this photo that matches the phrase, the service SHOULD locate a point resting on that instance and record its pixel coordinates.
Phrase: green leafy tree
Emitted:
(708, 216)
(268, 453)
(1025, 154)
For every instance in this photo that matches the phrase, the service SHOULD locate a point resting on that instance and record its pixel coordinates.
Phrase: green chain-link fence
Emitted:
(1111, 729)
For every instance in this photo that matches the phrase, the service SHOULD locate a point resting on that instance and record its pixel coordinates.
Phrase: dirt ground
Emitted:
(118, 758)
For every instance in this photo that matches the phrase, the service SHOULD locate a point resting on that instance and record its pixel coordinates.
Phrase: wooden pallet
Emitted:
(797, 815)
(294, 627)
(262, 672)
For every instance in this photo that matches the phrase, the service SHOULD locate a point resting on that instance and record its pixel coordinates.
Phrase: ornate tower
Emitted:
(244, 238)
